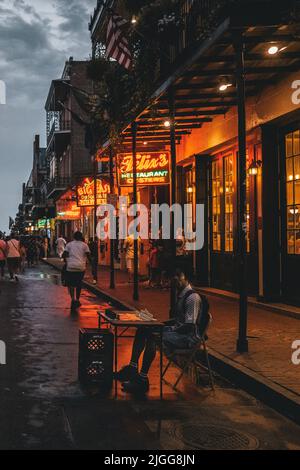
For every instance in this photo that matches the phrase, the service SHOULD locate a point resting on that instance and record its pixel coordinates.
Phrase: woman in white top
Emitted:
(75, 255)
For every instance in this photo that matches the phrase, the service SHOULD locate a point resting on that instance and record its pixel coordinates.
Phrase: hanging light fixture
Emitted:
(254, 167)
(274, 49)
(225, 84)
(134, 20)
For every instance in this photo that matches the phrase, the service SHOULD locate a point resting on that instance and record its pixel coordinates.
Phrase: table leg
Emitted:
(116, 360)
(161, 364)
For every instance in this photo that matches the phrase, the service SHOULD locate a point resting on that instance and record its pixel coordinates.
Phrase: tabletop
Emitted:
(133, 323)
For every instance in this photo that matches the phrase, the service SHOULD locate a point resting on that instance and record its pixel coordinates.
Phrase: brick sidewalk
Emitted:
(270, 334)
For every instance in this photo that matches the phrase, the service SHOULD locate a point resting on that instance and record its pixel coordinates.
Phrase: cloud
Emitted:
(36, 38)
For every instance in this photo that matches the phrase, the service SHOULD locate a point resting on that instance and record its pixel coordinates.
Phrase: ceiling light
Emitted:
(134, 20)
(145, 143)
(224, 86)
(167, 123)
(273, 50)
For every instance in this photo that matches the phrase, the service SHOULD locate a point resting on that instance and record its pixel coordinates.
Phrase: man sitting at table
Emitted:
(181, 333)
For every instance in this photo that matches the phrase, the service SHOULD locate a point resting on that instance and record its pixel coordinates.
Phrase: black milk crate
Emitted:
(95, 364)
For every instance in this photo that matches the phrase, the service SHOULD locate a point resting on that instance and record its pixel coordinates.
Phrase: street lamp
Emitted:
(254, 167)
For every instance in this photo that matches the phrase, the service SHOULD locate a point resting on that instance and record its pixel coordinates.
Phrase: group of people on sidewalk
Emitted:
(161, 260)
(16, 251)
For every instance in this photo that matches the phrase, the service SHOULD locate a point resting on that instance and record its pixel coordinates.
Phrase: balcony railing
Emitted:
(58, 184)
(196, 19)
(61, 126)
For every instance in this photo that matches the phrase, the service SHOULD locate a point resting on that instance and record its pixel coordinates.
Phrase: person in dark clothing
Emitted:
(93, 246)
(182, 333)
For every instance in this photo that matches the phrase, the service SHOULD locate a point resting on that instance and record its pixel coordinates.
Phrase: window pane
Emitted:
(297, 243)
(290, 169)
(290, 218)
(290, 194)
(297, 217)
(297, 168)
(297, 192)
(289, 145)
(291, 243)
(296, 144)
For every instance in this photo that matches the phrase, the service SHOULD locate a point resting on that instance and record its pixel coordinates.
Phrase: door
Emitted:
(290, 217)
(224, 223)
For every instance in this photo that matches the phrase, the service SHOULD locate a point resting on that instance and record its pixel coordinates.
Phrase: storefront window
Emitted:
(229, 193)
(217, 193)
(248, 243)
(293, 192)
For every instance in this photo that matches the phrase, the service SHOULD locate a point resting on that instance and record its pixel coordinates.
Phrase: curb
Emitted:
(284, 312)
(277, 397)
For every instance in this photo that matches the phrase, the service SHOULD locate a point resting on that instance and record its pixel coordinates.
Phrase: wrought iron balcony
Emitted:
(58, 128)
(57, 185)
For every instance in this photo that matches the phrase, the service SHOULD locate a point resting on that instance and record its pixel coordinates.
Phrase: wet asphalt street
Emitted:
(43, 407)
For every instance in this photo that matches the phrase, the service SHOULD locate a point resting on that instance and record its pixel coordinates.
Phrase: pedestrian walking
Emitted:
(93, 246)
(129, 254)
(31, 252)
(155, 275)
(75, 255)
(60, 246)
(23, 253)
(3, 255)
(13, 257)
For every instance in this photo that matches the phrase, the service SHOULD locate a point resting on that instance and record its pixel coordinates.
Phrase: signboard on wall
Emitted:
(67, 209)
(153, 168)
(86, 192)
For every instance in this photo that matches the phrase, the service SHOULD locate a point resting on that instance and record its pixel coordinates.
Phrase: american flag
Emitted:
(117, 46)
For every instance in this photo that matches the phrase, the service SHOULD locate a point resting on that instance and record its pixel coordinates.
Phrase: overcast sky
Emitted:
(36, 37)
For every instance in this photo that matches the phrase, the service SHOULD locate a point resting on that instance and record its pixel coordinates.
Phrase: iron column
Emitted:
(173, 191)
(242, 342)
(136, 242)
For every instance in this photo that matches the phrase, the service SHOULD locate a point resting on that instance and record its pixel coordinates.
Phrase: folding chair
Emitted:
(190, 354)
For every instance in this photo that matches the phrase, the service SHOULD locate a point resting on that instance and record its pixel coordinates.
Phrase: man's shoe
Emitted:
(126, 374)
(137, 385)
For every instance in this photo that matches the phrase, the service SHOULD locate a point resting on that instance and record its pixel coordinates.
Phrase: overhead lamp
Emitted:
(134, 20)
(167, 123)
(145, 143)
(225, 85)
(273, 50)
(254, 167)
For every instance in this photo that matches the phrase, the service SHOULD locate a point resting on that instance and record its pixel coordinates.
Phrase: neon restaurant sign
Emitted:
(153, 168)
(86, 192)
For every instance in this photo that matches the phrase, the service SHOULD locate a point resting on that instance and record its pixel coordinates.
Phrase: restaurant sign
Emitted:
(86, 192)
(153, 168)
(67, 209)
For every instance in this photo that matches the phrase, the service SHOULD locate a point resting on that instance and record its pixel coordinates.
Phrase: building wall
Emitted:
(81, 159)
(274, 101)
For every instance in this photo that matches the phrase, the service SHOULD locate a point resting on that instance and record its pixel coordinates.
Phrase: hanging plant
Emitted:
(169, 27)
